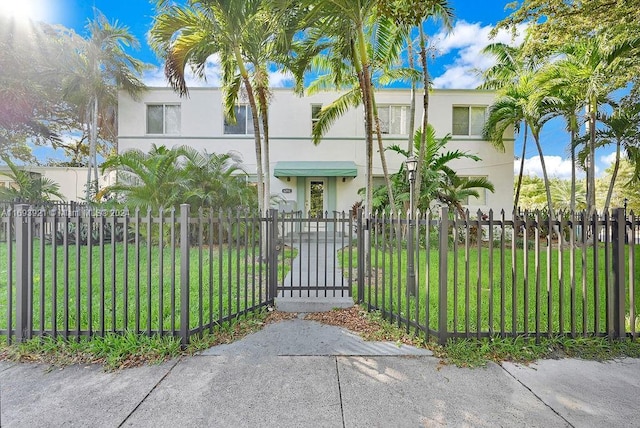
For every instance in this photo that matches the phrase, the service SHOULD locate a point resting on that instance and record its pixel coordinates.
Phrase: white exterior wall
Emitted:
(290, 137)
(72, 181)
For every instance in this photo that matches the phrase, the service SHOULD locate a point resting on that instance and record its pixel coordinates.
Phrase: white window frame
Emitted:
(248, 117)
(385, 114)
(164, 118)
(314, 117)
(470, 132)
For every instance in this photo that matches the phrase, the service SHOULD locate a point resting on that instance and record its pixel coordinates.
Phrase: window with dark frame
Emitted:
(243, 124)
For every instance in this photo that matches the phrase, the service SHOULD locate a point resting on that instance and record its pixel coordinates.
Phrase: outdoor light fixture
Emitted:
(412, 165)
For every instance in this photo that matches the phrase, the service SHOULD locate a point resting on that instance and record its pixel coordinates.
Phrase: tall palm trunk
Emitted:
(412, 108)
(92, 164)
(425, 113)
(383, 157)
(521, 173)
(547, 187)
(572, 203)
(614, 176)
(256, 128)
(264, 113)
(591, 176)
(365, 87)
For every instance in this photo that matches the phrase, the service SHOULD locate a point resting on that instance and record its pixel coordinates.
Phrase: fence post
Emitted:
(617, 324)
(361, 254)
(184, 274)
(272, 255)
(442, 275)
(23, 330)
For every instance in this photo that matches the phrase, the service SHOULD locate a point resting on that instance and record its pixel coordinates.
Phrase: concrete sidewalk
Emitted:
(304, 374)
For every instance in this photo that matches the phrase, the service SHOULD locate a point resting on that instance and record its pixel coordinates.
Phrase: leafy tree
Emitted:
(247, 38)
(442, 184)
(101, 67)
(30, 100)
(27, 186)
(622, 128)
(410, 14)
(215, 181)
(148, 180)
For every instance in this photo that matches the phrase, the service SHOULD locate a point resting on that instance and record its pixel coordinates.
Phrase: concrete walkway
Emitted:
(304, 374)
(316, 265)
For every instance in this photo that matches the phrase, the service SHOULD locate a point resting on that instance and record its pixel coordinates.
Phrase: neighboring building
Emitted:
(326, 176)
(72, 181)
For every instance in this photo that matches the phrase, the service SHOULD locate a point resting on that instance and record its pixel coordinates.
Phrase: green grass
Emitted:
(224, 281)
(120, 351)
(475, 297)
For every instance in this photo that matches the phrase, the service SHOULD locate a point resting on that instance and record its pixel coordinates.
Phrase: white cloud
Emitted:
(213, 74)
(467, 40)
(557, 167)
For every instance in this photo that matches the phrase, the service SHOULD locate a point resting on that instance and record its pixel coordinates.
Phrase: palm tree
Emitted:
(622, 128)
(415, 13)
(153, 180)
(214, 180)
(594, 63)
(27, 187)
(442, 184)
(524, 100)
(509, 66)
(247, 38)
(102, 67)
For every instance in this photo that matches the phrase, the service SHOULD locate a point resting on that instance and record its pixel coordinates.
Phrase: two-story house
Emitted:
(326, 176)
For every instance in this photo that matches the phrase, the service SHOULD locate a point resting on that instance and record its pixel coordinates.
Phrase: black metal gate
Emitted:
(312, 256)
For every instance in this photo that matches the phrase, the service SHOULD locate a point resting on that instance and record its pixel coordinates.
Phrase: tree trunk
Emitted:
(572, 203)
(383, 158)
(264, 113)
(614, 176)
(412, 108)
(425, 115)
(547, 188)
(591, 176)
(524, 152)
(256, 129)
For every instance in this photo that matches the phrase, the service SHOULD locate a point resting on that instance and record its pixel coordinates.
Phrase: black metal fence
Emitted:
(528, 275)
(90, 272)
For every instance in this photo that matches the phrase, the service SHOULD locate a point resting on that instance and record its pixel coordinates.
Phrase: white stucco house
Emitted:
(334, 170)
(72, 180)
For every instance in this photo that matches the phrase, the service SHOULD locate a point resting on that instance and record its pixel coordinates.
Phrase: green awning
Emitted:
(316, 169)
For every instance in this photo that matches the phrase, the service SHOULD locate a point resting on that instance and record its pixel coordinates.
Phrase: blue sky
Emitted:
(457, 54)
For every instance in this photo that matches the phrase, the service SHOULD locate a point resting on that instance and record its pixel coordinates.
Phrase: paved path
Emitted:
(303, 374)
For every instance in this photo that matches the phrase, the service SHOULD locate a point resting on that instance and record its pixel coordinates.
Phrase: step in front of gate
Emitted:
(312, 304)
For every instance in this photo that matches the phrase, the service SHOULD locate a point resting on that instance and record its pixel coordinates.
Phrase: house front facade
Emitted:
(324, 177)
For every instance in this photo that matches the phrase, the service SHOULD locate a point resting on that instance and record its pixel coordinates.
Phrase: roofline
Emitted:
(283, 89)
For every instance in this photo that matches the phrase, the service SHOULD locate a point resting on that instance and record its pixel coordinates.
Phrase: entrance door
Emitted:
(316, 200)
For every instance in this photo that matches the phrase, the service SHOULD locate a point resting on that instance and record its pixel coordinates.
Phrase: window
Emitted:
(472, 200)
(394, 120)
(315, 113)
(468, 120)
(163, 119)
(244, 122)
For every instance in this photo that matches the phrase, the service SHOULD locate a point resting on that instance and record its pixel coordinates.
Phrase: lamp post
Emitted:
(412, 164)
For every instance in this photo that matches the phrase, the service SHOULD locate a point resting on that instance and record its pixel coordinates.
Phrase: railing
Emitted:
(525, 276)
(93, 272)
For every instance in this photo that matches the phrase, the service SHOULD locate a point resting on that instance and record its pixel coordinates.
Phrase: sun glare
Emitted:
(24, 9)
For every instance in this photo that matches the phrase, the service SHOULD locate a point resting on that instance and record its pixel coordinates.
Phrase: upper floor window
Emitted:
(394, 119)
(163, 119)
(315, 114)
(469, 120)
(244, 122)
